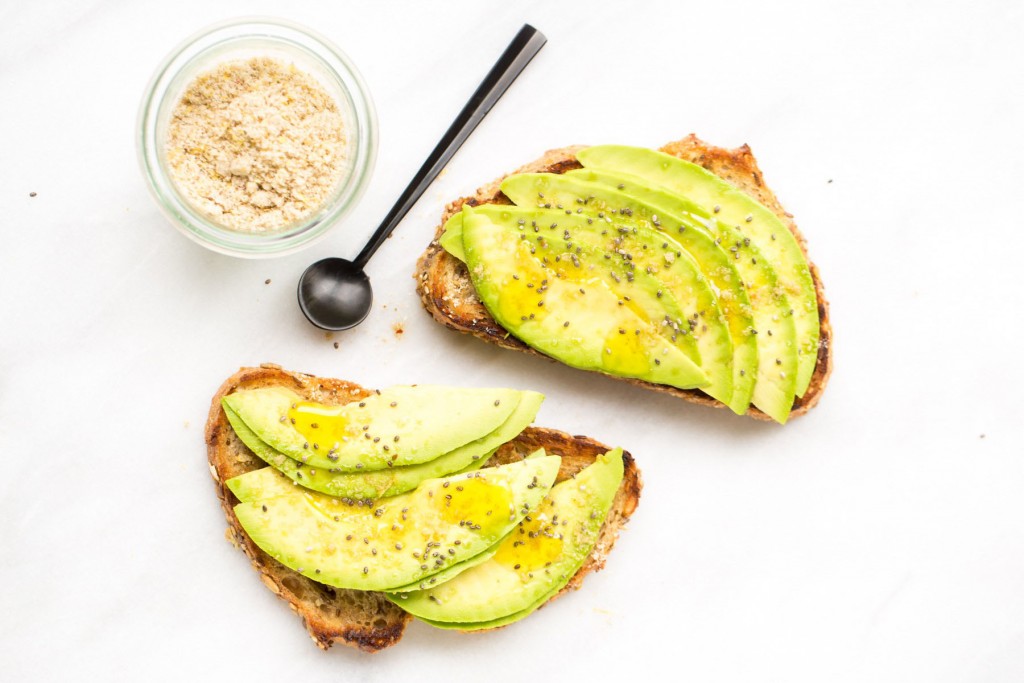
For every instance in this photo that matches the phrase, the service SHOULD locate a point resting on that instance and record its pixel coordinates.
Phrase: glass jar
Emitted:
(240, 40)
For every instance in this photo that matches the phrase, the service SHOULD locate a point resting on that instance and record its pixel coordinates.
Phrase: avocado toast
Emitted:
(789, 310)
(369, 620)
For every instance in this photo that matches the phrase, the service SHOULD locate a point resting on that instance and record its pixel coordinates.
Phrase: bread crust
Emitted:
(447, 292)
(363, 619)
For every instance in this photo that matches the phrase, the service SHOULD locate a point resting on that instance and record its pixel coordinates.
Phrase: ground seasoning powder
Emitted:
(256, 146)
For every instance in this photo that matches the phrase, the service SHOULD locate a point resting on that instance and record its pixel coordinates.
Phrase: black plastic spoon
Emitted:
(334, 293)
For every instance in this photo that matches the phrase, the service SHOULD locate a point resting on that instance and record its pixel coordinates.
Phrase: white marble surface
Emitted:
(880, 538)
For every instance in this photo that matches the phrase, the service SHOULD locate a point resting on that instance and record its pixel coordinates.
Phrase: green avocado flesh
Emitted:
(447, 574)
(566, 311)
(401, 540)
(352, 486)
(533, 562)
(646, 295)
(740, 214)
(262, 484)
(673, 227)
(774, 359)
(451, 238)
(493, 623)
(393, 428)
(394, 480)
(641, 238)
(638, 289)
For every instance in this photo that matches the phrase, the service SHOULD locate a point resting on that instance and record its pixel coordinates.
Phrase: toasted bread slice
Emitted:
(447, 292)
(361, 619)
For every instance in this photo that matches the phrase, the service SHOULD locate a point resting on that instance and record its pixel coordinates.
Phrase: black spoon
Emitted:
(334, 293)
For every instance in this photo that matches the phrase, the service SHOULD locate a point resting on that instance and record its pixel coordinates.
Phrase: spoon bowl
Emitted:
(335, 294)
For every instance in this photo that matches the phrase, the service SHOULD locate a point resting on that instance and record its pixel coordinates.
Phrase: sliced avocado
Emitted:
(396, 427)
(447, 574)
(352, 486)
(454, 570)
(775, 335)
(451, 238)
(534, 561)
(742, 217)
(637, 290)
(571, 316)
(262, 484)
(398, 540)
(394, 480)
(646, 238)
(493, 623)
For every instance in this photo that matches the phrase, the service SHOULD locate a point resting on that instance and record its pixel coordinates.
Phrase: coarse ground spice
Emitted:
(256, 146)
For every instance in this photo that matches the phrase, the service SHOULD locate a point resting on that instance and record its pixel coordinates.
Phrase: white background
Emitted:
(879, 538)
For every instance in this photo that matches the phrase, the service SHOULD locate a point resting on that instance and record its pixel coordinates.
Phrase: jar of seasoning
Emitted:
(256, 136)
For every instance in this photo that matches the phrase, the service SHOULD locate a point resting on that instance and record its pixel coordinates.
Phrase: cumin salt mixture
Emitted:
(256, 145)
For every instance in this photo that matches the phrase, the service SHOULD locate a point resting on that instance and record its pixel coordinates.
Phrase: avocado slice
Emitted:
(402, 539)
(447, 574)
(493, 623)
(262, 484)
(393, 480)
(776, 367)
(351, 486)
(534, 561)
(569, 315)
(649, 239)
(395, 427)
(638, 290)
(454, 570)
(451, 238)
(740, 216)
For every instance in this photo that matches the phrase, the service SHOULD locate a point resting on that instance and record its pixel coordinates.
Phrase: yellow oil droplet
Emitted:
(569, 271)
(319, 424)
(637, 310)
(520, 295)
(533, 545)
(625, 353)
(333, 510)
(566, 268)
(474, 502)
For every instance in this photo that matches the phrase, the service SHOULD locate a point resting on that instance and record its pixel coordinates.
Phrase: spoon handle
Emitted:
(517, 55)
